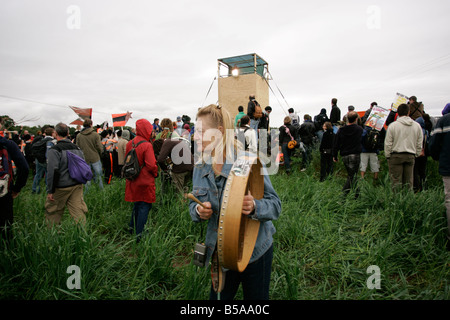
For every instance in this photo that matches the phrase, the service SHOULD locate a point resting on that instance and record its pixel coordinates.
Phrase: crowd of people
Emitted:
(409, 136)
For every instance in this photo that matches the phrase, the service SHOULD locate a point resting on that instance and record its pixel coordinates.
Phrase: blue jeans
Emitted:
(96, 167)
(139, 217)
(254, 124)
(41, 170)
(287, 156)
(255, 280)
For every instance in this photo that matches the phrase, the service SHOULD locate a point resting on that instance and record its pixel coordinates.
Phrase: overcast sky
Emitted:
(158, 58)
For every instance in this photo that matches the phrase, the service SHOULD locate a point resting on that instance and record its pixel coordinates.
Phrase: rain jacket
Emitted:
(143, 187)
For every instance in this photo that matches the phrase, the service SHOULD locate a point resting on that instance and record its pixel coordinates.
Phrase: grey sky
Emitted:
(158, 58)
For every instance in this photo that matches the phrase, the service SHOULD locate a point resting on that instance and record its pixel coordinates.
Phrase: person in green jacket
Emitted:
(90, 143)
(239, 116)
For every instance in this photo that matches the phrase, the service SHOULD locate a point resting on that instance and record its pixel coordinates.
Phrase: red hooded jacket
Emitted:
(143, 187)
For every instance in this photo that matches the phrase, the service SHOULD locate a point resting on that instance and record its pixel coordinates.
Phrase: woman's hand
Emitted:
(249, 204)
(204, 212)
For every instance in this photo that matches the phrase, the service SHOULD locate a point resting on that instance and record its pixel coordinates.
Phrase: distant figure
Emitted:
(90, 143)
(335, 115)
(326, 151)
(247, 135)
(319, 121)
(238, 117)
(348, 144)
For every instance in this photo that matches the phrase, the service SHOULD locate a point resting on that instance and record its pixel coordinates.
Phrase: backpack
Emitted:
(372, 140)
(131, 167)
(241, 137)
(39, 149)
(79, 170)
(258, 112)
(6, 171)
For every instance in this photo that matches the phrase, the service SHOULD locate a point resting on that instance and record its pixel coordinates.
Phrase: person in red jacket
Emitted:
(141, 191)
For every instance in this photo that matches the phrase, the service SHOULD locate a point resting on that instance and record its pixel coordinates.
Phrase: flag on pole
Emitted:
(83, 114)
(121, 119)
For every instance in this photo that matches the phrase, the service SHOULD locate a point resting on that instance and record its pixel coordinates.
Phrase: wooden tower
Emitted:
(239, 77)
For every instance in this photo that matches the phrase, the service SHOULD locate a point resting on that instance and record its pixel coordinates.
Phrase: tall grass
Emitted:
(323, 246)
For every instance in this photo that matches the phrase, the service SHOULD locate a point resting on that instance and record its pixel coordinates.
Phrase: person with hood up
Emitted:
(141, 191)
(90, 143)
(403, 143)
(319, 121)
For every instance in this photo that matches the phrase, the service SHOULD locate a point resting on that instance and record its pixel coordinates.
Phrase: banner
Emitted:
(83, 113)
(377, 118)
(399, 99)
(121, 119)
(77, 122)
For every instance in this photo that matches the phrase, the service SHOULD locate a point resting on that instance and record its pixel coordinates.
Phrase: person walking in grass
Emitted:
(326, 148)
(403, 143)
(348, 144)
(141, 191)
(62, 190)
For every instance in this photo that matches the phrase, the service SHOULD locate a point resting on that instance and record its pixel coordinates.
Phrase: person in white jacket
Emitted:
(403, 143)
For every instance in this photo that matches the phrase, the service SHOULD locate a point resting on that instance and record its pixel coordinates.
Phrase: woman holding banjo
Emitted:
(242, 251)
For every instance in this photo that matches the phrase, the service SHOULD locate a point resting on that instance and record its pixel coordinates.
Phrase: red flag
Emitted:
(121, 119)
(79, 121)
(83, 113)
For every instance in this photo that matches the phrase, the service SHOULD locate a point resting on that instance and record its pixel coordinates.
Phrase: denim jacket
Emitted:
(209, 188)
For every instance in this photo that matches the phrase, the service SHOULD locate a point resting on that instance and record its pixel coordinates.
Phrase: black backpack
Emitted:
(131, 167)
(241, 137)
(39, 149)
(372, 140)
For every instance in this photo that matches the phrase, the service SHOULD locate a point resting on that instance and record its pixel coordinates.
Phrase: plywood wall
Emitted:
(234, 92)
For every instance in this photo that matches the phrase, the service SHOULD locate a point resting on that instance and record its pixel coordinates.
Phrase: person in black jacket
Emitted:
(335, 114)
(285, 136)
(307, 133)
(439, 148)
(348, 144)
(326, 149)
(14, 186)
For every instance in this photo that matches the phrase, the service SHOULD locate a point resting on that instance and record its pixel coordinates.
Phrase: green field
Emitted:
(322, 249)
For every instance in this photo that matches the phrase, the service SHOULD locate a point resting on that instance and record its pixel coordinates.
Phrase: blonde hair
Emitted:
(220, 118)
(287, 120)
